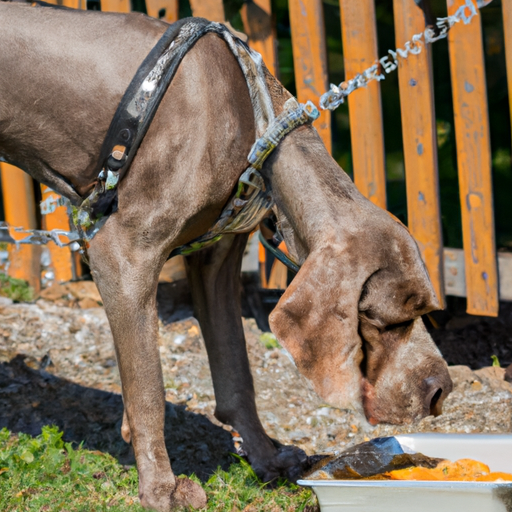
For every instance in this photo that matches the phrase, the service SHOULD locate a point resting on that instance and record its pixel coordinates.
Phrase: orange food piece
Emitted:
(461, 470)
(492, 477)
(415, 473)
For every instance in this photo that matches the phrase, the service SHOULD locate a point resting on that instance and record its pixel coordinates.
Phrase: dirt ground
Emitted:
(57, 365)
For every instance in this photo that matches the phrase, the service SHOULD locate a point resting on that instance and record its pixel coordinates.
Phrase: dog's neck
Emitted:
(313, 194)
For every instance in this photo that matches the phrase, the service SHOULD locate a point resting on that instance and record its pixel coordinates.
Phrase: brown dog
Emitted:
(350, 318)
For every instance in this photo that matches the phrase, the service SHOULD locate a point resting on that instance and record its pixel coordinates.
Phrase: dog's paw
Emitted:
(287, 462)
(188, 494)
(182, 495)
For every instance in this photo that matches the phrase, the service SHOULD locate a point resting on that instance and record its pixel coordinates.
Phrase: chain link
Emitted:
(333, 98)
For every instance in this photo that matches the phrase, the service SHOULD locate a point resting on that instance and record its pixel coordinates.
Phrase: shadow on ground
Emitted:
(30, 399)
(175, 301)
(472, 340)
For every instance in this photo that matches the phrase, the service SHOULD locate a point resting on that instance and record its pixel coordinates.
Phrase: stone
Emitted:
(84, 290)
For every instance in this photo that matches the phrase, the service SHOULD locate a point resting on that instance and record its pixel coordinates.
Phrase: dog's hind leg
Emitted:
(125, 267)
(214, 276)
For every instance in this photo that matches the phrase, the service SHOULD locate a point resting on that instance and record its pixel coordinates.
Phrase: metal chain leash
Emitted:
(333, 98)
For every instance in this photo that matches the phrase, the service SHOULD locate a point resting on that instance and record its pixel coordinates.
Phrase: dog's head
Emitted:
(351, 320)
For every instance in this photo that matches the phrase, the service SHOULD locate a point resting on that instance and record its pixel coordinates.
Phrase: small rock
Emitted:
(491, 372)
(462, 374)
(88, 303)
(494, 376)
(508, 374)
(84, 290)
(5, 301)
(54, 292)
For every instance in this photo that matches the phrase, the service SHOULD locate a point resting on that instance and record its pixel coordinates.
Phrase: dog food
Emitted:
(385, 459)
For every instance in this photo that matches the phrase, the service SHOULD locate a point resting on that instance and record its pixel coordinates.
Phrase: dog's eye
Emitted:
(399, 326)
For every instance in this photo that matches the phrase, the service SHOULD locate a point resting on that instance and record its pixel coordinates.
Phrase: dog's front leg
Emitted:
(127, 278)
(214, 276)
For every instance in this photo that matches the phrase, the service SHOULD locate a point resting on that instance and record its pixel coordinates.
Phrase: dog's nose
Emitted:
(434, 397)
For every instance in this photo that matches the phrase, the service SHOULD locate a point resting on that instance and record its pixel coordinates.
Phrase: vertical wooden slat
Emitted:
(278, 278)
(19, 208)
(61, 257)
(257, 20)
(507, 26)
(116, 5)
(420, 145)
(359, 32)
(474, 164)
(72, 4)
(154, 7)
(262, 257)
(212, 10)
(310, 58)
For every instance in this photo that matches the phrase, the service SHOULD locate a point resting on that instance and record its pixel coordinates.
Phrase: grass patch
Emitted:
(45, 474)
(16, 289)
(269, 341)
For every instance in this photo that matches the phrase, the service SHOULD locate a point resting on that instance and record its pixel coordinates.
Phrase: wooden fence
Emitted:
(473, 272)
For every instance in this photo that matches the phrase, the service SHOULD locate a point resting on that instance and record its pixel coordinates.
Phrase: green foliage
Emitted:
(238, 488)
(16, 289)
(269, 340)
(44, 473)
(495, 361)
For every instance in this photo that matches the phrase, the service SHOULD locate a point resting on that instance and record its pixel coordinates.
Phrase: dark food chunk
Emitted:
(369, 460)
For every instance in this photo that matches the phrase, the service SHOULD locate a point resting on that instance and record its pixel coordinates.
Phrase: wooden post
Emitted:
(116, 5)
(507, 27)
(420, 144)
(212, 10)
(167, 8)
(359, 31)
(310, 58)
(257, 20)
(72, 4)
(19, 208)
(474, 164)
(63, 260)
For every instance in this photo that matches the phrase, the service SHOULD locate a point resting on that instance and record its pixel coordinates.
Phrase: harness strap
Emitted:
(140, 102)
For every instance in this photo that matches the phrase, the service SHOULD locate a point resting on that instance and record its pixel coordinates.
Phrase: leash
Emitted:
(278, 253)
(336, 95)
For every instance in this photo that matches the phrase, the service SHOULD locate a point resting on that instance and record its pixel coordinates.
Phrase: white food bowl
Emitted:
(495, 450)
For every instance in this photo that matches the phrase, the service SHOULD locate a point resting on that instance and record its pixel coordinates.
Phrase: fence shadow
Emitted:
(30, 399)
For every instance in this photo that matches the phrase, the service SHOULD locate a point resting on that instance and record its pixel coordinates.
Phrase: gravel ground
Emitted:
(76, 344)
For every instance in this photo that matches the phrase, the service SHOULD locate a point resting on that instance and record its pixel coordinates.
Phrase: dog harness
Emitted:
(252, 199)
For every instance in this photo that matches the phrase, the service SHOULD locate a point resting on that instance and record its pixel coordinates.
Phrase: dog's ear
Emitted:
(316, 320)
